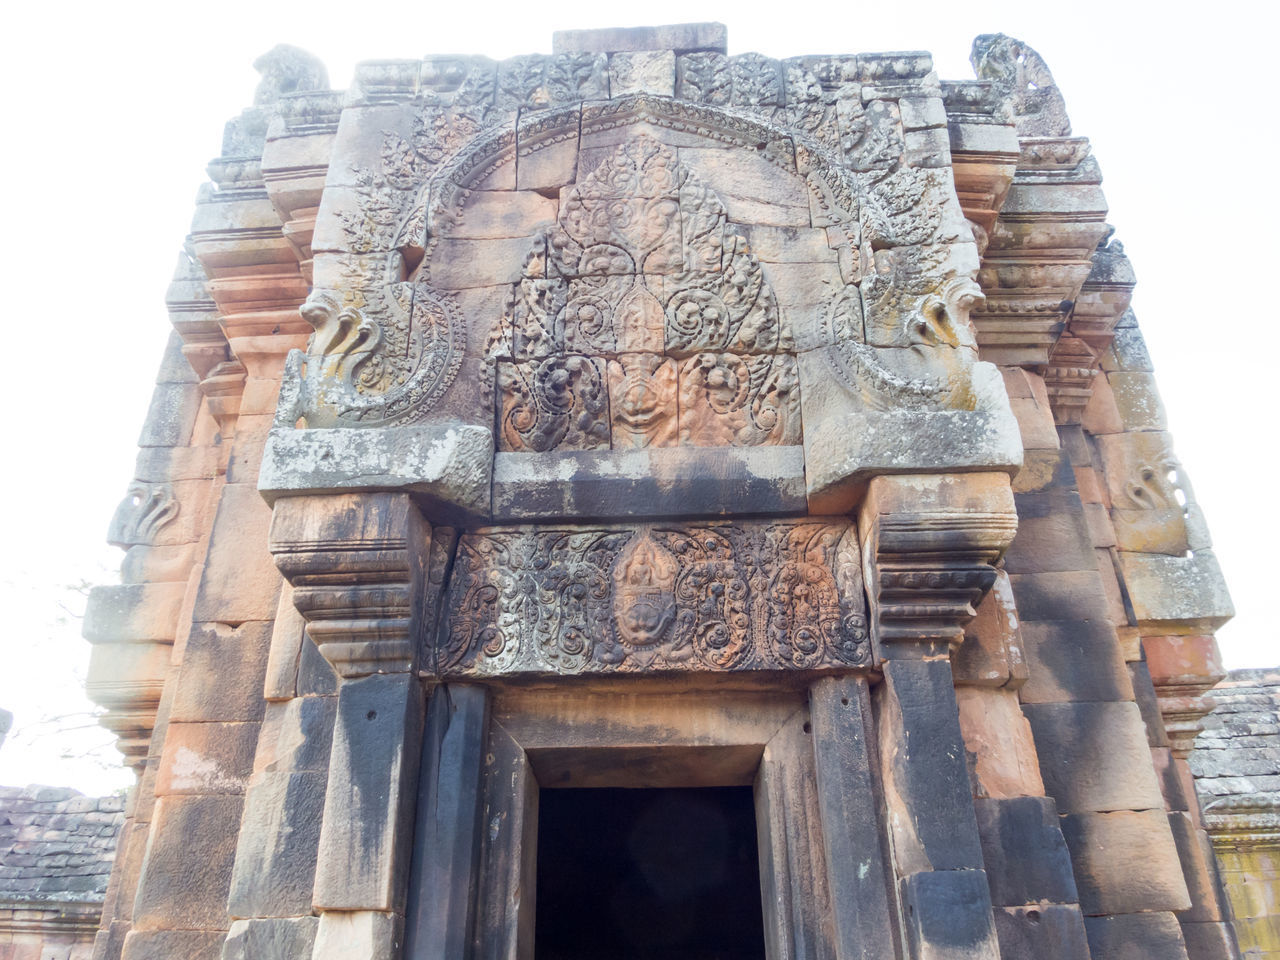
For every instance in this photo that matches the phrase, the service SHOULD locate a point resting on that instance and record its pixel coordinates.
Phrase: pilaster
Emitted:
(929, 549)
(358, 568)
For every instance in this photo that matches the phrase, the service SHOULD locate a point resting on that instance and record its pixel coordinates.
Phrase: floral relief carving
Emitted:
(714, 596)
(645, 284)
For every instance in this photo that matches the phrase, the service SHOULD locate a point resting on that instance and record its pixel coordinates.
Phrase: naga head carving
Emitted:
(1031, 98)
(343, 336)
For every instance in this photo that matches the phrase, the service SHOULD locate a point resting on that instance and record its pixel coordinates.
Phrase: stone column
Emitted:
(358, 567)
(929, 546)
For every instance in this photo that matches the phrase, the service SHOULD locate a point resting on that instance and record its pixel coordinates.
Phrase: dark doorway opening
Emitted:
(648, 875)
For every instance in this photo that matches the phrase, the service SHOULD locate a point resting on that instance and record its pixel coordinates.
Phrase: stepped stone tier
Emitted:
(640, 416)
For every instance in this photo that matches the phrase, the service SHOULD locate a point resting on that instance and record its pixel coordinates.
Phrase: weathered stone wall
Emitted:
(643, 415)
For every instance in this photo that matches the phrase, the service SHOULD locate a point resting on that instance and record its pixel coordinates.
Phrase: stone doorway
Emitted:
(626, 873)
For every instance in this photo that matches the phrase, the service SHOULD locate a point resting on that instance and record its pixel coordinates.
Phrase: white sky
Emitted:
(113, 110)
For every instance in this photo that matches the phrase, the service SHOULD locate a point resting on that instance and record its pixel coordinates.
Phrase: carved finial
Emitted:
(1032, 100)
(287, 69)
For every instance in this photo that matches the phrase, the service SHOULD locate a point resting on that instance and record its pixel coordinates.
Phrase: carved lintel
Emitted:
(929, 553)
(358, 565)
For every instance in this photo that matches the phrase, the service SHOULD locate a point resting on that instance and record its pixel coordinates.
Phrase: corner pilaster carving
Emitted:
(929, 554)
(358, 565)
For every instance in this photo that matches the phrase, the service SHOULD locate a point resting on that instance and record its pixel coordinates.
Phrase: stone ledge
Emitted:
(450, 464)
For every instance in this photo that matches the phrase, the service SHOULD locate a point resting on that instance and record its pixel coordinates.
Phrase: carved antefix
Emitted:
(713, 596)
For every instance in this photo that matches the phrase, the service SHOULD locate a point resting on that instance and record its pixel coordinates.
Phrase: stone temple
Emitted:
(638, 501)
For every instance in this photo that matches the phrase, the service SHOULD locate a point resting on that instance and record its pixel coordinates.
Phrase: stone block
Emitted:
(1072, 595)
(169, 944)
(206, 758)
(1137, 401)
(245, 462)
(927, 148)
(683, 37)
(316, 676)
(1094, 756)
(172, 415)
(1101, 416)
(239, 581)
(287, 633)
(1182, 659)
(1172, 594)
(1199, 867)
(644, 483)
(1144, 694)
(999, 748)
(279, 837)
(1137, 936)
(133, 612)
(948, 915)
(1052, 535)
(448, 464)
(187, 870)
(365, 837)
(457, 263)
(751, 187)
(1125, 862)
(1210, 941)
(920, 113)
(773, 244)
(1051, 931)
(1097, 517)
(221, 673)
(1041, 471)
(1023, 852)
(280, 938)
(544, 165)
(992, 651)
(501, 214)
(1128, 352)
(643, 71)
(358, 935)
(1073, 660)
(930, 809)
(296, 736)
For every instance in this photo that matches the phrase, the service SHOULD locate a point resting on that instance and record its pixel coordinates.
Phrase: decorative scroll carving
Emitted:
(643, 293)
(145, 509)
(715, 596)
(1031, 100)
(359, 372)
(642, 261)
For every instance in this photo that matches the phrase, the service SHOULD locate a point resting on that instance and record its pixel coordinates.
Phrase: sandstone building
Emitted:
(644, 501)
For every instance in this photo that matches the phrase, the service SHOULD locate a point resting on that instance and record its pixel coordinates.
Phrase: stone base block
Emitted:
(275, 939)
(1053, 931)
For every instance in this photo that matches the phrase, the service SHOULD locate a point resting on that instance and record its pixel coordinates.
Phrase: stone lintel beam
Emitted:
(358, 566)
(930, 545)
